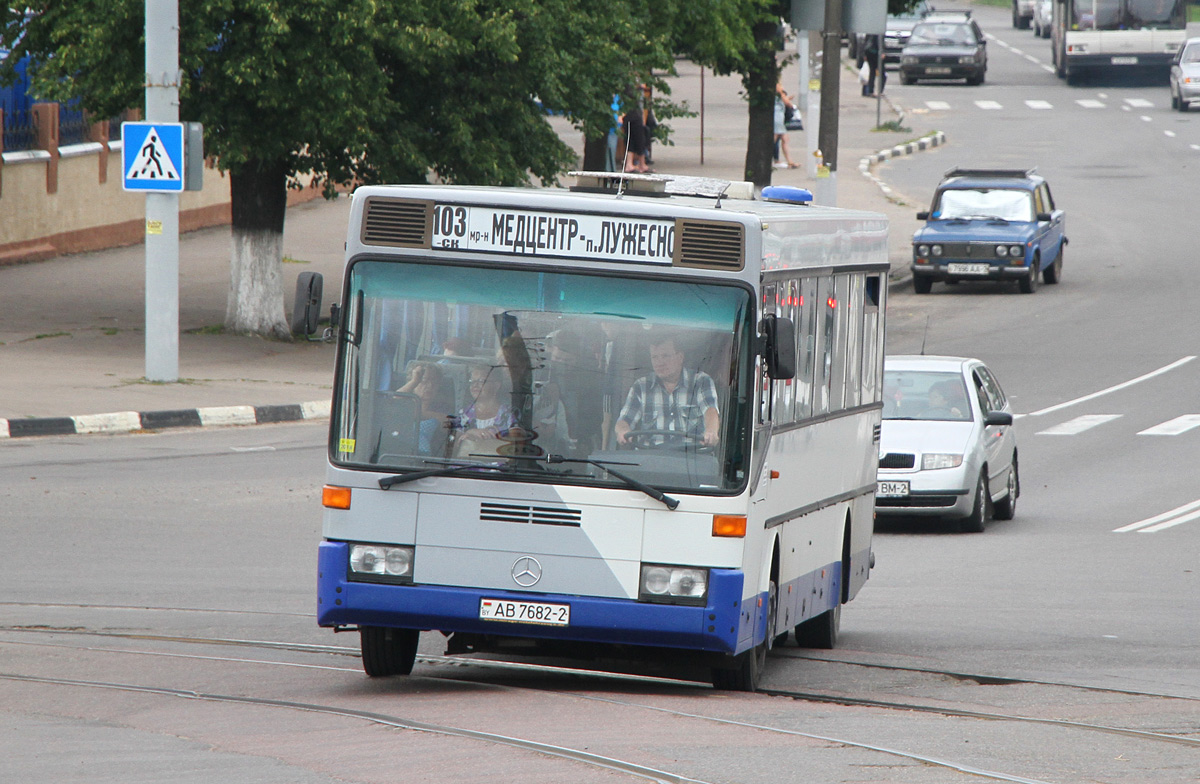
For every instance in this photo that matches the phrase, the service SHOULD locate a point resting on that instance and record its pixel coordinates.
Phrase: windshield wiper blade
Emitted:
(446, 470)
(606, 465)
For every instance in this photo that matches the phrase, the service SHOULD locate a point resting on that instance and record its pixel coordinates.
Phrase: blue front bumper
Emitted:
(717, 627)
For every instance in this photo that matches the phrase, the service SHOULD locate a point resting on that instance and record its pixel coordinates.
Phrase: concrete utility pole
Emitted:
(162, 209)
(827, 135)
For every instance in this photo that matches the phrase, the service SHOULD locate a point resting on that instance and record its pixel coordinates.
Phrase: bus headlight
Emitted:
(673, 584)
(931, 462)
(390, 563)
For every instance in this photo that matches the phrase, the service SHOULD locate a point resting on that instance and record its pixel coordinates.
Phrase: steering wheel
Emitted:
(675, 440)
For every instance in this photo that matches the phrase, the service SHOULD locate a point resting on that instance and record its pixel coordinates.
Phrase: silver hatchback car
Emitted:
(1185, 75)
(947, 448)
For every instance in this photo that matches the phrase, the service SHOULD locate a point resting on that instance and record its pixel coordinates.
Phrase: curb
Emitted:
(131, 421)
(865, 165)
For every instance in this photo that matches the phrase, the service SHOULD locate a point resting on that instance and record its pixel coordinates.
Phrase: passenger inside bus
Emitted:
(425, 380)
(674, 400)
(487, 416)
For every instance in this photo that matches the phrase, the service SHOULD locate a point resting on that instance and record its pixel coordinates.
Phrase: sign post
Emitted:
(153, 157)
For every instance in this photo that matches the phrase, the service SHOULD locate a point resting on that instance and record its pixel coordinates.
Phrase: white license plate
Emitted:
(892, 490)
(525, 612)
(1124, 61)
(937, 69)
(967, 269)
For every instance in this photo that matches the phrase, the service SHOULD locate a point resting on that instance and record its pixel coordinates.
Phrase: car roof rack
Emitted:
(1021, 173)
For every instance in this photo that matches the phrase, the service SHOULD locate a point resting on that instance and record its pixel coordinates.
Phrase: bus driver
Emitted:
(674, 398)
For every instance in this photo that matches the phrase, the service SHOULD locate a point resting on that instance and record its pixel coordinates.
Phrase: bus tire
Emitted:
(748, 666)
(821, 631)
(974, 523)
(387, 651)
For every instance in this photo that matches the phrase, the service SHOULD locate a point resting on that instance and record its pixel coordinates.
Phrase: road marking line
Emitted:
(1039, 104)
(1194, 146)
(1147, 118)
(1123, 385)
(1015, 50)
(938, 106)
(1033, 59)
(1048, 68)
(1090, 103)
(1180, 514)
(988, 105)
(1170, 133)
(1140, 103)
(1173, 427)
(1078, 424)
(1170, 523)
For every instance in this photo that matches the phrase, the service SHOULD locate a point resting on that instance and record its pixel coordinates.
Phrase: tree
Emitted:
(353, 91)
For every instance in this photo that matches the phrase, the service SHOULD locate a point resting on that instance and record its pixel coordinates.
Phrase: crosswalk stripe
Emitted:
(1178, 515)
(1078, 424)
(1140, 103)
(1090, 103)
(938, 106)
(1039, 104)
(988, 105)
(1173, 427)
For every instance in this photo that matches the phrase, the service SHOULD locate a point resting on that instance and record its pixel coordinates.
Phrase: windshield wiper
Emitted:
(446, 470)
(606, 465)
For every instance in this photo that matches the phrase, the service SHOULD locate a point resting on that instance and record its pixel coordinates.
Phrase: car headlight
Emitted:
(1002, 250)
(673, 584)
(922, 250)
(933, 461)
(936, 250)
(908, 60)
(1016, 251)
(966, 59)
(381, 562)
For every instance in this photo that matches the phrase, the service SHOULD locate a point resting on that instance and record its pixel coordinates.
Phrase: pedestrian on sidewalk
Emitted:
(634, 126)
(869, 54)
(783, 102)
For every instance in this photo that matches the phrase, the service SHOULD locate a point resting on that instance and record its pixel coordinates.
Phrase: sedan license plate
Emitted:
(525, 612)
(892, 490)
(1124, 61)
(937, 69)
(967, 269)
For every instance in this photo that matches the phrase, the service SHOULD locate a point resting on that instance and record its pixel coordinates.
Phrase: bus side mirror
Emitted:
(307, 309)
(779, 349)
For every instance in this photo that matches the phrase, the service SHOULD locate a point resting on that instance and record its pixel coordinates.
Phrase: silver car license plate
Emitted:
(525, 612)
(892, 490)
(1124, 61)
(966, 269)
(936, 69)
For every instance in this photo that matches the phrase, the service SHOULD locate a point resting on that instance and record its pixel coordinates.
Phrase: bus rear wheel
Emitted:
(387, 651)
(821, 631)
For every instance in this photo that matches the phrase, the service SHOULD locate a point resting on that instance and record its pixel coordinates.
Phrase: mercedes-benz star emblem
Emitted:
(526, 571)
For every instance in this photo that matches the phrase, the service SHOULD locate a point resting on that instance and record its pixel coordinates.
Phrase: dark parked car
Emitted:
(990, 224)
(944, 47)
(899, 28)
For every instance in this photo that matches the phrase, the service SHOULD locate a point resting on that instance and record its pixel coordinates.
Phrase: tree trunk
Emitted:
(259, 195)
(595, 154)
(761, 78)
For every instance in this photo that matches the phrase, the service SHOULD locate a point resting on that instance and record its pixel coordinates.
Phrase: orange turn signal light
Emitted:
(729, 525)
(335, 497)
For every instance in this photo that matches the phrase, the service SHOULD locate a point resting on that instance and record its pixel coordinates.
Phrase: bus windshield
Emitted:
(527, 373)
(1128, 14)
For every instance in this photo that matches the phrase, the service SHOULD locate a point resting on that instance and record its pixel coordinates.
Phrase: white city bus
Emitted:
(1111, 36)
(492, 342)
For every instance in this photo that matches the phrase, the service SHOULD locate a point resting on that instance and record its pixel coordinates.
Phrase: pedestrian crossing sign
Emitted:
(152, 156)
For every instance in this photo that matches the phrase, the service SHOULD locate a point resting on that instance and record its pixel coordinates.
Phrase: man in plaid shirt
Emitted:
(673, 398)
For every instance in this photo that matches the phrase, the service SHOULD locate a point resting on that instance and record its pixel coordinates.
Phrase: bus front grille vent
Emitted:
(710, 244)
(538, 515)
(398, 223)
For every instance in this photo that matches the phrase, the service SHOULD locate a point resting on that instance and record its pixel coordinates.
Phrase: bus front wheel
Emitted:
(747, 667)
(387, 651)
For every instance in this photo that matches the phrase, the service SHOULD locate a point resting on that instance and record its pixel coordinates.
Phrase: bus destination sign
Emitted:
(553, 234)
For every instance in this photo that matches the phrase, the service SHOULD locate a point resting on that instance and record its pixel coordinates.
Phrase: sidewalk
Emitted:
(71, 340)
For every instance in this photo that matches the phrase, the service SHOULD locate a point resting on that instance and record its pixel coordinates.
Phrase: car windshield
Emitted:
(925, 395)
(521, 371)
(1191, 54)
(946, 34)
(996, 203)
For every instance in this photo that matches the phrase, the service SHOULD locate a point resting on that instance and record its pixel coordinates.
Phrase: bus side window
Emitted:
(871, 345)
(765, 386)
(854, 318)
(806, 343)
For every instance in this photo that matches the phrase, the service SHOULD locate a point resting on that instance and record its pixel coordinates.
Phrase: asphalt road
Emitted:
(157, 592)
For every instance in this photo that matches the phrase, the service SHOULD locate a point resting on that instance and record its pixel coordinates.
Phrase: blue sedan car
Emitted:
(990, 224)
